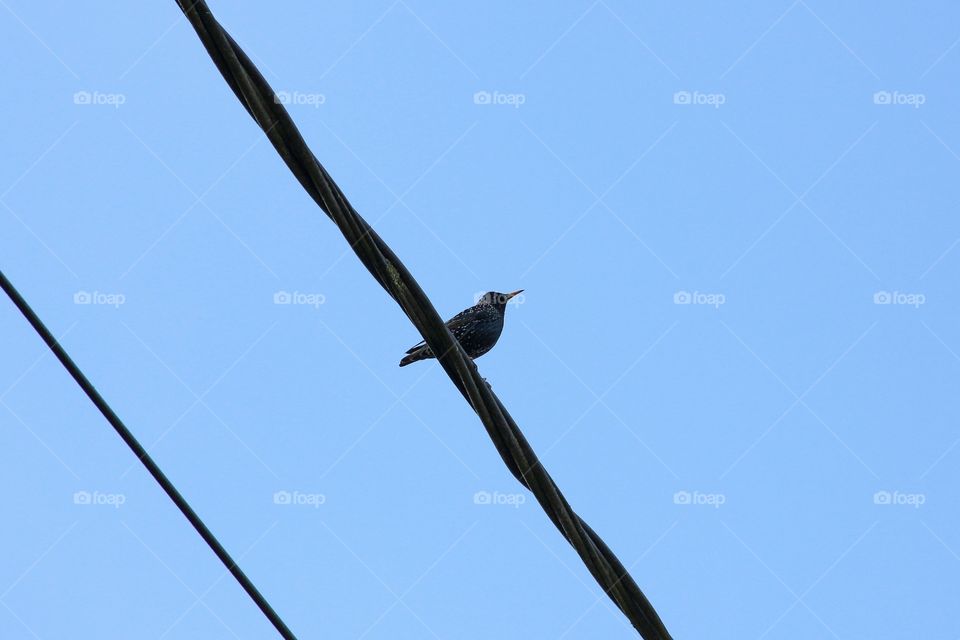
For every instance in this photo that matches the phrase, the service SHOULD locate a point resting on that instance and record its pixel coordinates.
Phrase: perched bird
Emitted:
(477, 329)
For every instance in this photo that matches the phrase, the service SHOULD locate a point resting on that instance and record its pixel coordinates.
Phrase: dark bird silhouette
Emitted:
(477, 329)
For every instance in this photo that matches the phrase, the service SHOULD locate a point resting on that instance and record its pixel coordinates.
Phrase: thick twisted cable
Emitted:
(258, 98)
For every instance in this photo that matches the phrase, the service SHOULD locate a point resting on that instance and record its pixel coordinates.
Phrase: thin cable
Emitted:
(144, 457)
(258, 98)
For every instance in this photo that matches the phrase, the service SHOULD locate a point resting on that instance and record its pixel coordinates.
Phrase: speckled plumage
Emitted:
(477, 329)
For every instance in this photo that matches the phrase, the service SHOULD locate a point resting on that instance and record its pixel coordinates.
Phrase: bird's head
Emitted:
(497, 299)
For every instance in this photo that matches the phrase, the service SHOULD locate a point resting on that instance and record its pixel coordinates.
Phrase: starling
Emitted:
(477, 329)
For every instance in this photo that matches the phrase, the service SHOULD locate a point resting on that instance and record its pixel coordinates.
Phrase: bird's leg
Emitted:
(474, 363)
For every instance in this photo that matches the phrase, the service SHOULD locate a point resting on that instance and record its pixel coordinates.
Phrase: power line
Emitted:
(258, 98)
(144, 457)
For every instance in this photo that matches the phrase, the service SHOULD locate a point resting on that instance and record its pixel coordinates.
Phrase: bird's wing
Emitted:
(463, 323)
(454, 324)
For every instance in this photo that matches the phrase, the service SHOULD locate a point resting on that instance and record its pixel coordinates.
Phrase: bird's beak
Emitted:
(510, 295)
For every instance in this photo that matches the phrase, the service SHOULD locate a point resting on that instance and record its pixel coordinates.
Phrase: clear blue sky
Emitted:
(738, 350)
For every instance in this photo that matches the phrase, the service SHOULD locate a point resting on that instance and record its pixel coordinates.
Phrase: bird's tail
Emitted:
(419, 354)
